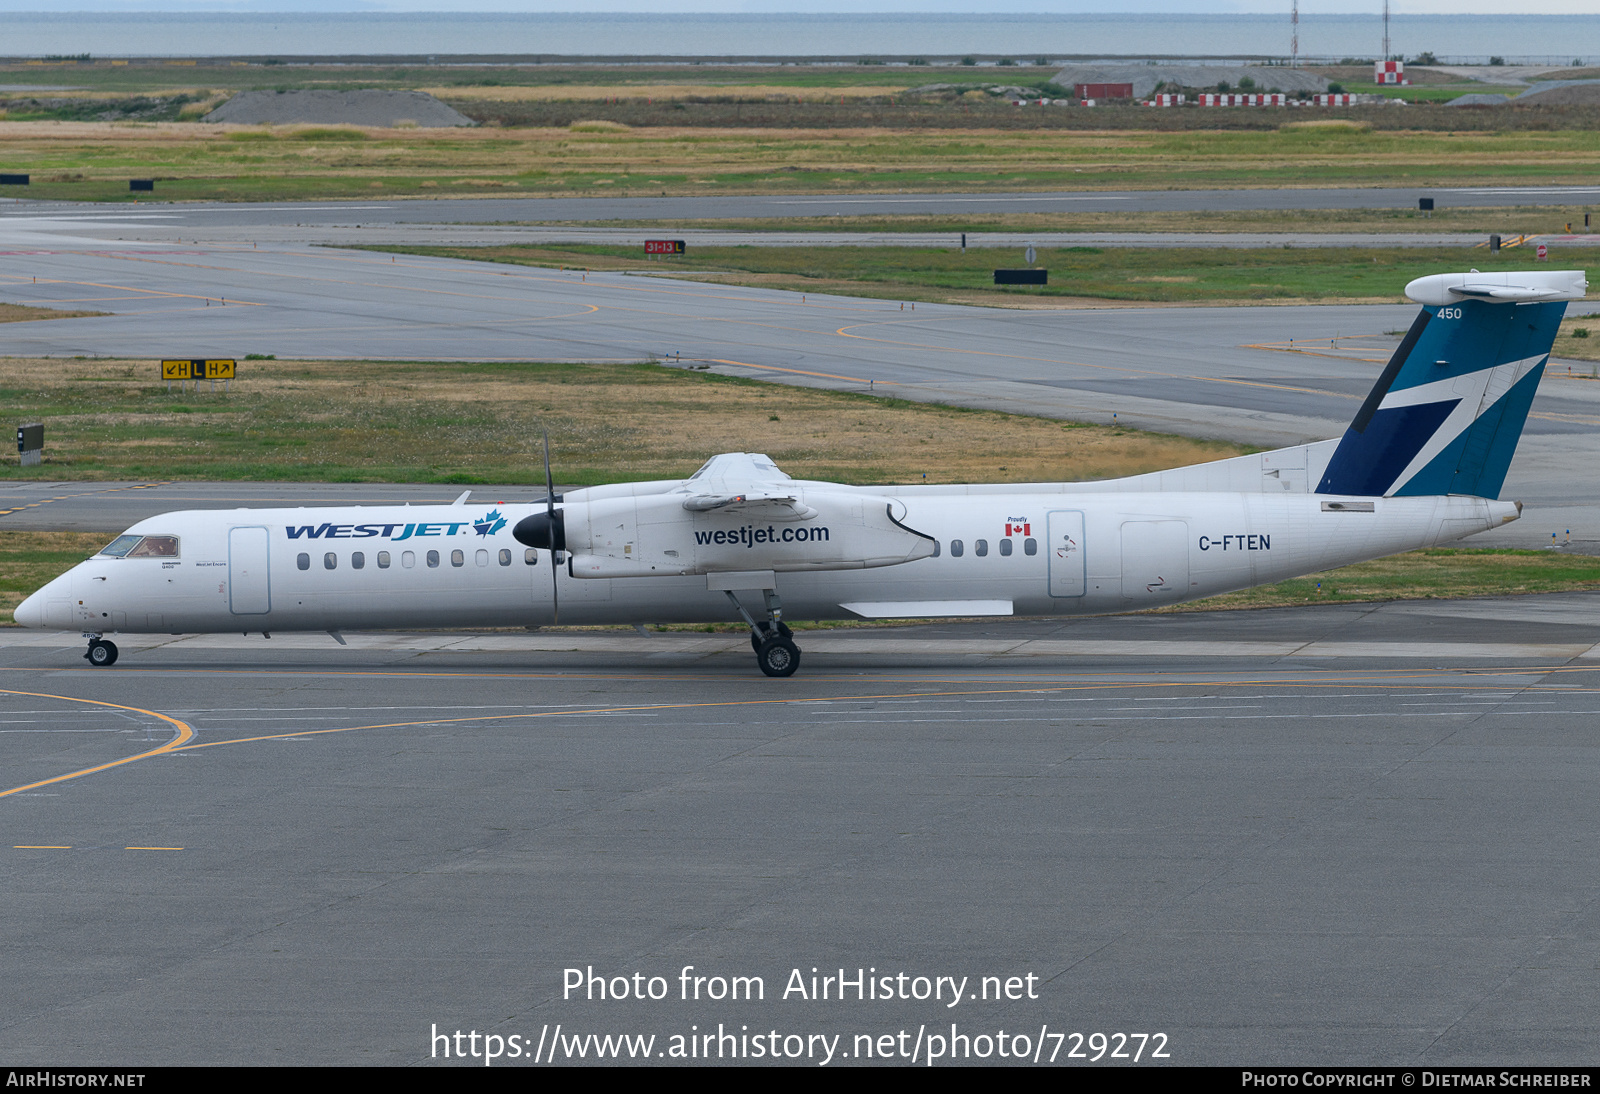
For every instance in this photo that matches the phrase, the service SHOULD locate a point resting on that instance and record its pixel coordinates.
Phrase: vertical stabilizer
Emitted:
(1447, 411)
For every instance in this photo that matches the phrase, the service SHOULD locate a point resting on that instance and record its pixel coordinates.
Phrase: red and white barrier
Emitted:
(1274, 99)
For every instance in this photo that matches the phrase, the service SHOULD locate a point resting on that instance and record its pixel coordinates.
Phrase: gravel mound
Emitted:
(1562, 93)
(378, 108)
(1479, 99)
(1144, 78)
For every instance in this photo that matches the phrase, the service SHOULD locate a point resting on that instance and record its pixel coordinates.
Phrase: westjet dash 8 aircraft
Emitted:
(1421, 464)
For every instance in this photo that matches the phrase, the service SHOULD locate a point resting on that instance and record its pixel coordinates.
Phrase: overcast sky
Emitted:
(1051, 7)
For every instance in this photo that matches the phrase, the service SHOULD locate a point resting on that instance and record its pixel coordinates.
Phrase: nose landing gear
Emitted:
(773, 641)
(101, 654)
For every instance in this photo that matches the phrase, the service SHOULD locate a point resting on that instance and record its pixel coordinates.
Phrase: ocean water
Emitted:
(1465, 38)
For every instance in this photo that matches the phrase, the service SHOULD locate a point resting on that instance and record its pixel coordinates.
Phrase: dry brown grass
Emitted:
(387, 421)
(250, 163)
(1569, 344)
(23, 313)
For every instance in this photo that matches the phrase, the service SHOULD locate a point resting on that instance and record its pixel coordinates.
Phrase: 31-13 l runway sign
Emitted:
(663, 246)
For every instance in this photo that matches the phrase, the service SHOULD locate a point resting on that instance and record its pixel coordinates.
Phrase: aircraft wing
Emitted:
(748, 483)
(737, 472)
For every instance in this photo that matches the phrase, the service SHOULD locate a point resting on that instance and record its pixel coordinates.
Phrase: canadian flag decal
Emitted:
(1024, 529)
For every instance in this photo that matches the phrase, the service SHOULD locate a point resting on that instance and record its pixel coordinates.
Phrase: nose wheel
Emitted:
(773, 641)
(101, 654)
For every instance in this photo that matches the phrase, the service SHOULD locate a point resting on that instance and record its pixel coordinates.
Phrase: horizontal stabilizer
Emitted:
(1508, 288)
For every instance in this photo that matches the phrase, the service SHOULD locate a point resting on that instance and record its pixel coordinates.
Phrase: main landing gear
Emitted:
(101, 654)
(771, 638)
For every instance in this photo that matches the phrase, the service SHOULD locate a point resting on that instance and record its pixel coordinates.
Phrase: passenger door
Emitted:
(249, 583)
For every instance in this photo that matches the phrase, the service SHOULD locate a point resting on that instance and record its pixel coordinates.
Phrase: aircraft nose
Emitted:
(30, 613)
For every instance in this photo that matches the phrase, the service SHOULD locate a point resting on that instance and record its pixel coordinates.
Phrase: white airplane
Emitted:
(1421, 464)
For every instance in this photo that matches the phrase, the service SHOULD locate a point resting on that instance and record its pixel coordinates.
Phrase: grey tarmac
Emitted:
(747, 206)
(1378, 854)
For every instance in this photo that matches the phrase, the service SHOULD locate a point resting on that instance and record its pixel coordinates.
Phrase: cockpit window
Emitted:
(120, 546)
(142, 547)
(156, 547)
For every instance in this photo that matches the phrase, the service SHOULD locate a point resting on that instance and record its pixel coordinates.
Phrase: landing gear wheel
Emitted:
(101, 654)
(778, 657)
(766, 631)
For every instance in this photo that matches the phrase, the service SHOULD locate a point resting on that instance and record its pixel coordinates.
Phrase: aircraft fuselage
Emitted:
(997, 554)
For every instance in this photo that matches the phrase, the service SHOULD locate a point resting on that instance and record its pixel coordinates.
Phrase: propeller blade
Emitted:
(557, 531)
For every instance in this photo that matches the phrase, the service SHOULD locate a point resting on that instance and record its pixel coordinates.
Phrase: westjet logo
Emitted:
(369, 531)
(750, 535)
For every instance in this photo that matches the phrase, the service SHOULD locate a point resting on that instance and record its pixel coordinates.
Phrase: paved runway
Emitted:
(1340, 835)
(746, 206)
(32, 225)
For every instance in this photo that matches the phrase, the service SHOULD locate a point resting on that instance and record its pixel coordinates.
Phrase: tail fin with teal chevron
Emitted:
(1447, 412)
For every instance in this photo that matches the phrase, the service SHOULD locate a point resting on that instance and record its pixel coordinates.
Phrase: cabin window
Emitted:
(1030, 546)
(433, 560)
(980, 547)
(1005, 547)
(457, 558)
(330, 561)
(156, 547)
(357, 560)
(956, 548)
(531, 557)
(408, 559)
(482, 557)
(383, 560)
(505, 557)
(303, 561)
(935, 548)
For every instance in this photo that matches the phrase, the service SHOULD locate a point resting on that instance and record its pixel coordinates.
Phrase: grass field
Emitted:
(481, 423)
(944, 274)
(23, 313)
(1585, 346)
(30, 559)
(1436, 573)
(93, 161)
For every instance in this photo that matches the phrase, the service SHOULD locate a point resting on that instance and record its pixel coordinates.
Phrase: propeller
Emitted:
(546, 531)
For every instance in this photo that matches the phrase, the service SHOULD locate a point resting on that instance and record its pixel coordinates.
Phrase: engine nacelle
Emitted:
(658, 535)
